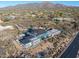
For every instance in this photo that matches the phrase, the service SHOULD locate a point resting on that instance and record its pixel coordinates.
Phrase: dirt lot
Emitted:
(42, 46)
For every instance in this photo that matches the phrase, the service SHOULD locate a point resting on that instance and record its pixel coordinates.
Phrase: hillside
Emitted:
(36, 5)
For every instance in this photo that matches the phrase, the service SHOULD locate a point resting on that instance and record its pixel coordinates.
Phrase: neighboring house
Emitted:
(9, 17)
(33, 37)
(61, 19)
(5, 27)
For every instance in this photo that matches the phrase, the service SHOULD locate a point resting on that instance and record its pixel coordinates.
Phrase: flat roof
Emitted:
(31, 34)
(26, 39)
(37, 31)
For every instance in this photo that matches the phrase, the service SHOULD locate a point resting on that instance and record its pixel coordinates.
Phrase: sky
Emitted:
(13, 3)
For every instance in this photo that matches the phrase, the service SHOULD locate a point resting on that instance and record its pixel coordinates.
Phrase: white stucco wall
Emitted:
(5, 27)
(28, 45)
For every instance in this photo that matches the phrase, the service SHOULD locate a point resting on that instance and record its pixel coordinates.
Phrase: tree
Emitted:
(75, 25)
(56, 21)
(60, 14)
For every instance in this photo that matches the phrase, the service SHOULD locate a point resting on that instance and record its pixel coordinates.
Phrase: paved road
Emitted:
(72, 50)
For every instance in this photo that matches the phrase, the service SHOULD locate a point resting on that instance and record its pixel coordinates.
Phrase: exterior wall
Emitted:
(49, 33)
(37, 41)
(46, 35)
(28, 45)
(53, 32)
(39, 38)
(56, 33)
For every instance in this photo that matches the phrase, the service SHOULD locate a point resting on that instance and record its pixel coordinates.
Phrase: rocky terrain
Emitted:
(42, 14)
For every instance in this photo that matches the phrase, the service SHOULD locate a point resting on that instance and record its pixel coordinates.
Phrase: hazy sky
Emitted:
(13, 3)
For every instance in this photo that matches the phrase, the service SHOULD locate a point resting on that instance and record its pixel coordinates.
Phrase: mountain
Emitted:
(35, 5)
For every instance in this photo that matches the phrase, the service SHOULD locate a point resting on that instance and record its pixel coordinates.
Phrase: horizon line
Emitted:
(4, 3)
